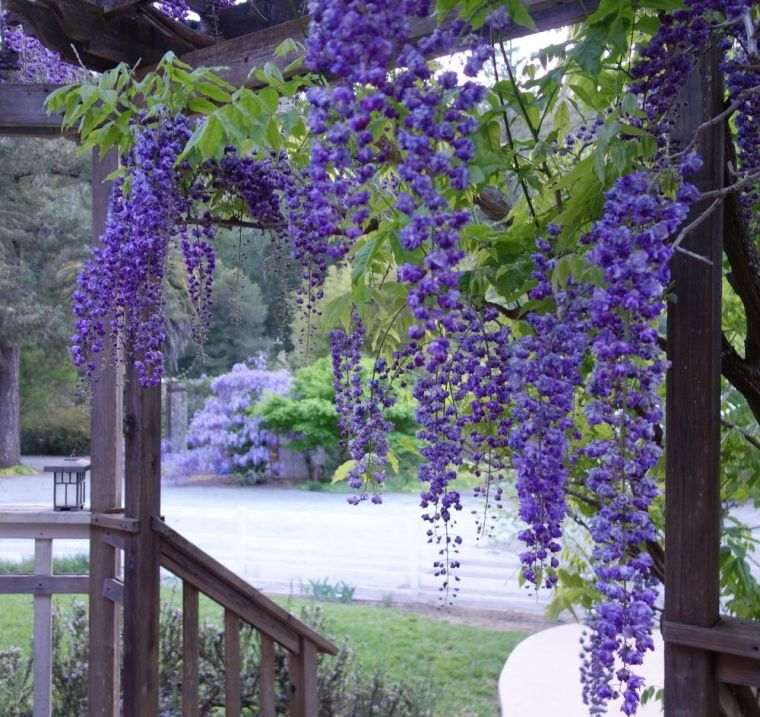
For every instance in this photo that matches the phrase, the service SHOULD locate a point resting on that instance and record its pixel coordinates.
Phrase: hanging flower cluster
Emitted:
(361, 413)
(119, 291)
(160, 205)
(26, 59)
(546, 367)
(630, 244)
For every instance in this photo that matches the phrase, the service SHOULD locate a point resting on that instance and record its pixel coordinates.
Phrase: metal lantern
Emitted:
(69, 483)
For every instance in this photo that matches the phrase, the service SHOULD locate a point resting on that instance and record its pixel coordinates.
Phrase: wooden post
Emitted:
(692, 511)
(304, 701)
(232, 678)
(106, 478)
(267, 676)
(190, 650)
(142, 567)
(43, 633)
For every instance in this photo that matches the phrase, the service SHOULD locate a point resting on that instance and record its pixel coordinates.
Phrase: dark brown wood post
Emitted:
(107, 475)
(142, 428)
(692, 488)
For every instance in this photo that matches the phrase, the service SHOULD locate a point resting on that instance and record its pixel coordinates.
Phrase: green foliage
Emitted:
(308, 420)
(15, 683)
(55, 412)
(62, 430)
(17, 470)
(101, 108)
(326, 591)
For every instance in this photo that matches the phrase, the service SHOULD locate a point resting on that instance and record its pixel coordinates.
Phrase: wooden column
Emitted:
(106, 479)
(141, 568)
(43, 632)
(692, 511)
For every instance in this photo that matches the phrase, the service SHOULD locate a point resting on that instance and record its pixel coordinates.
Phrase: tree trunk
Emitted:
(10, 406)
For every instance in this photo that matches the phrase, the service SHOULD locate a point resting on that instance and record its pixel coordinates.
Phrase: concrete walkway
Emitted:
(541, 676)
(280, 539)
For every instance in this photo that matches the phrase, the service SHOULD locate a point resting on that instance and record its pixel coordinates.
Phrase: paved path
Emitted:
(279, 539)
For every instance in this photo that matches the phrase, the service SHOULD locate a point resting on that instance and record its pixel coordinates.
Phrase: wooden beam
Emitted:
(692, 483)
(194, 573)
(115, 523)
(44, 584)
(142, 589)
(22, 111)
(236, 57)
(729, 636)
(82, 31)
(107, 478)
(736, 670)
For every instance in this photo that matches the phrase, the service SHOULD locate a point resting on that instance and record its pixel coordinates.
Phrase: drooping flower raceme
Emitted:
(119, 291)
(361, 411)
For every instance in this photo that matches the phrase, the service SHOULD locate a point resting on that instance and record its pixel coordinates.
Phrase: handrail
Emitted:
(187, 561)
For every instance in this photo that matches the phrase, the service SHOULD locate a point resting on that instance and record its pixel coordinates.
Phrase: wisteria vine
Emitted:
(573, 396)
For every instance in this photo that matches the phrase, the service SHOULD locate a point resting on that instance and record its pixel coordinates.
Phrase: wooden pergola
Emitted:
(702, 648)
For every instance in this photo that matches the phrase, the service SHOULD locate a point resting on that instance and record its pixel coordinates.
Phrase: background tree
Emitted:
(44, 231)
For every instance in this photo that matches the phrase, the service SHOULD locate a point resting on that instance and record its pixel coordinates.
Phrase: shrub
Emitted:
(344, 690)
(307, 418)
(59, 431)
(15, 684)
(223, 438)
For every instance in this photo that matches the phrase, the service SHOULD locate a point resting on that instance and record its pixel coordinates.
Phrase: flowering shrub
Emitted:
(223, 438)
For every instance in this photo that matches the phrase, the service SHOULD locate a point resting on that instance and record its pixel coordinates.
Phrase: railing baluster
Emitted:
(190, 651)
(303, 675)
(266, 676)
(231, 664)
(43, 633)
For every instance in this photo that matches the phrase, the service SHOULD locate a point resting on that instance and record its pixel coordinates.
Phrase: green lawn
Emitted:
(461, 662)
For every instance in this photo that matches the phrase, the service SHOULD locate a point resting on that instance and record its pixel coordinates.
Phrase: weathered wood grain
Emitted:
(142, 501)
(266, 677)
(43, 634)
(190, 651)
(232, 678)
(692, 484)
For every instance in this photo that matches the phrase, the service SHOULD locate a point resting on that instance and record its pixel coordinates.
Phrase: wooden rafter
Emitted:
(81, 31)
(21, 107)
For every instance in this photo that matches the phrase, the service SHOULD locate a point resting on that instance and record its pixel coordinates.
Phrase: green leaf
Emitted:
(519, 13)
(211, 138)
(287, 46)
(214, 92)
(342, 471)
(201, 105)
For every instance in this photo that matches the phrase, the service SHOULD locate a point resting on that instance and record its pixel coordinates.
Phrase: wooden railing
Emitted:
(43, 526)
(200, 573)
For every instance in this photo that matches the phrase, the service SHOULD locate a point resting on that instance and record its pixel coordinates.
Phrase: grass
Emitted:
(18, 470)
(70, 565)
(462, 662)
